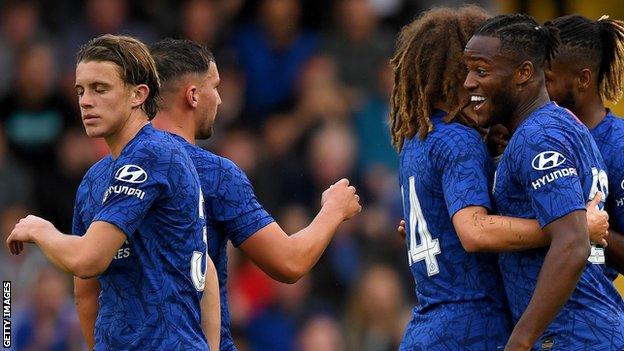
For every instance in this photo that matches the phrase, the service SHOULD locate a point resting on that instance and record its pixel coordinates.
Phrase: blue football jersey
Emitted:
(461, 299)
(232, 213)
(550, 168)
(609, 136)
(151, 292)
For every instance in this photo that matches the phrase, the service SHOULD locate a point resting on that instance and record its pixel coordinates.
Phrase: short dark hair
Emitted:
(176, 57)
(597, 44)
(136, 65)
(523, 37)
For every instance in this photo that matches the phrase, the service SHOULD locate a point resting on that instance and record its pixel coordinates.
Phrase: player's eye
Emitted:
(481, 72)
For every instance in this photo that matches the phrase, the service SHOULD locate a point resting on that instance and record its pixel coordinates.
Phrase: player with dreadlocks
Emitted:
(549, 169)
(587, 71)
(445, 175)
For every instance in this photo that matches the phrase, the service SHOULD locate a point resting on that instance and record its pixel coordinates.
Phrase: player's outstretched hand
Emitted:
(597, 221)
(401, 229)
(24, 232)
(341, 198)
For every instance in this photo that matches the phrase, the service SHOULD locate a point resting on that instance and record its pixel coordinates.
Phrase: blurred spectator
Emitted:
(376, 326)
(276, 326)
(321, 333)
(33, 113)
(19, 26)
(57, 189)
(360, 45)
(101, 17)
(371, 125)
(201, 21)
(271, 52)
(48, 320)
(15, 182)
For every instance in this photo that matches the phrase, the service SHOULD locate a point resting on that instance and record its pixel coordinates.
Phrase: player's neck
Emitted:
(118, 140)
(170, 121)
(527, 106)
(590, 112)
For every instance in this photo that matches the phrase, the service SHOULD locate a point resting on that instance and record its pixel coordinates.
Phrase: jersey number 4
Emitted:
(198, 274)
(428, 247)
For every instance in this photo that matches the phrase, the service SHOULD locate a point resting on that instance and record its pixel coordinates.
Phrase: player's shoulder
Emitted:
(98, 171)
(152, 138)
(95, 174)
(454, 135)
(616, 127)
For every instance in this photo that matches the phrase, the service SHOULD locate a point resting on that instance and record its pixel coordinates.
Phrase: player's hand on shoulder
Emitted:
(597, 221)
(497, 139)
(342, 198)
(25, 231)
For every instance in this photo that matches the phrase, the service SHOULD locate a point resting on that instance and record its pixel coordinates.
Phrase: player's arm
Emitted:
(83, 256)
(211, 307)
(561, 270)
(287, 258)
(480, 231)
(86, 292)
(614, 253)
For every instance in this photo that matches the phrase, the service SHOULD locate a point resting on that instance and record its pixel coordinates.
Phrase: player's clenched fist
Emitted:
(341, 198)
(25, 231)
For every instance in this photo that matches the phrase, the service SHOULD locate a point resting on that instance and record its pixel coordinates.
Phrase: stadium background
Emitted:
(305, 88)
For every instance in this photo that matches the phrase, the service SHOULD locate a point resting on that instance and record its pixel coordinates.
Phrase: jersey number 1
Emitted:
(198, 274)
(428, 247)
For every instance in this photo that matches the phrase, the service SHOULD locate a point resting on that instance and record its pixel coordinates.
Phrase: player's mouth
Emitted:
(89, 118)
(477, 101)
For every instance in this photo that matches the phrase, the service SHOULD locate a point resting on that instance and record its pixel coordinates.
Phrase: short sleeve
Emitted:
(139, 179)
(466, 171)
(78, 227)
(548, 170)
(235, 207)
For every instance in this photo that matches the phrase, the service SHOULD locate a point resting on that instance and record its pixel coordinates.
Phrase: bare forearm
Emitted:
(557, 280)
(615, 251)
(59, 248)
(502, 233)
(211, 308)
(480, 231)
(308, 244)
(86, 292)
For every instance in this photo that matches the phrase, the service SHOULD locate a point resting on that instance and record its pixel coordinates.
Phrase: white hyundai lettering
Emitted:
(547, 160)
(131, 174)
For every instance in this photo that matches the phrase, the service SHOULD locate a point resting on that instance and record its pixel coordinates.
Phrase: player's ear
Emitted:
(584, 79)
(139, 94)
(524, 72)
(192, 96)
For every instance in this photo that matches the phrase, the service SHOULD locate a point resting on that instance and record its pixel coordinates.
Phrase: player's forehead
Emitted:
(89, 72)
(213, 71)
(482, 48)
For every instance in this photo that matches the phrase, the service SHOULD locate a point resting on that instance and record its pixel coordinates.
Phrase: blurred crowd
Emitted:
(305, 88)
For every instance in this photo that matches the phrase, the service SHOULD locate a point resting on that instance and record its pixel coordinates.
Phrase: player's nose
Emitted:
(470, 83)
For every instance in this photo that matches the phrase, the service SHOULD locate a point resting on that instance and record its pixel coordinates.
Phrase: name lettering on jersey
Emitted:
(547, 160)
(131, 174)
(552, 176)
(619, 202)
(123, 189)
(123, 252)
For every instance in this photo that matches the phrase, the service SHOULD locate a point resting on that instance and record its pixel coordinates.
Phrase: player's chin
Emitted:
(95, 131)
